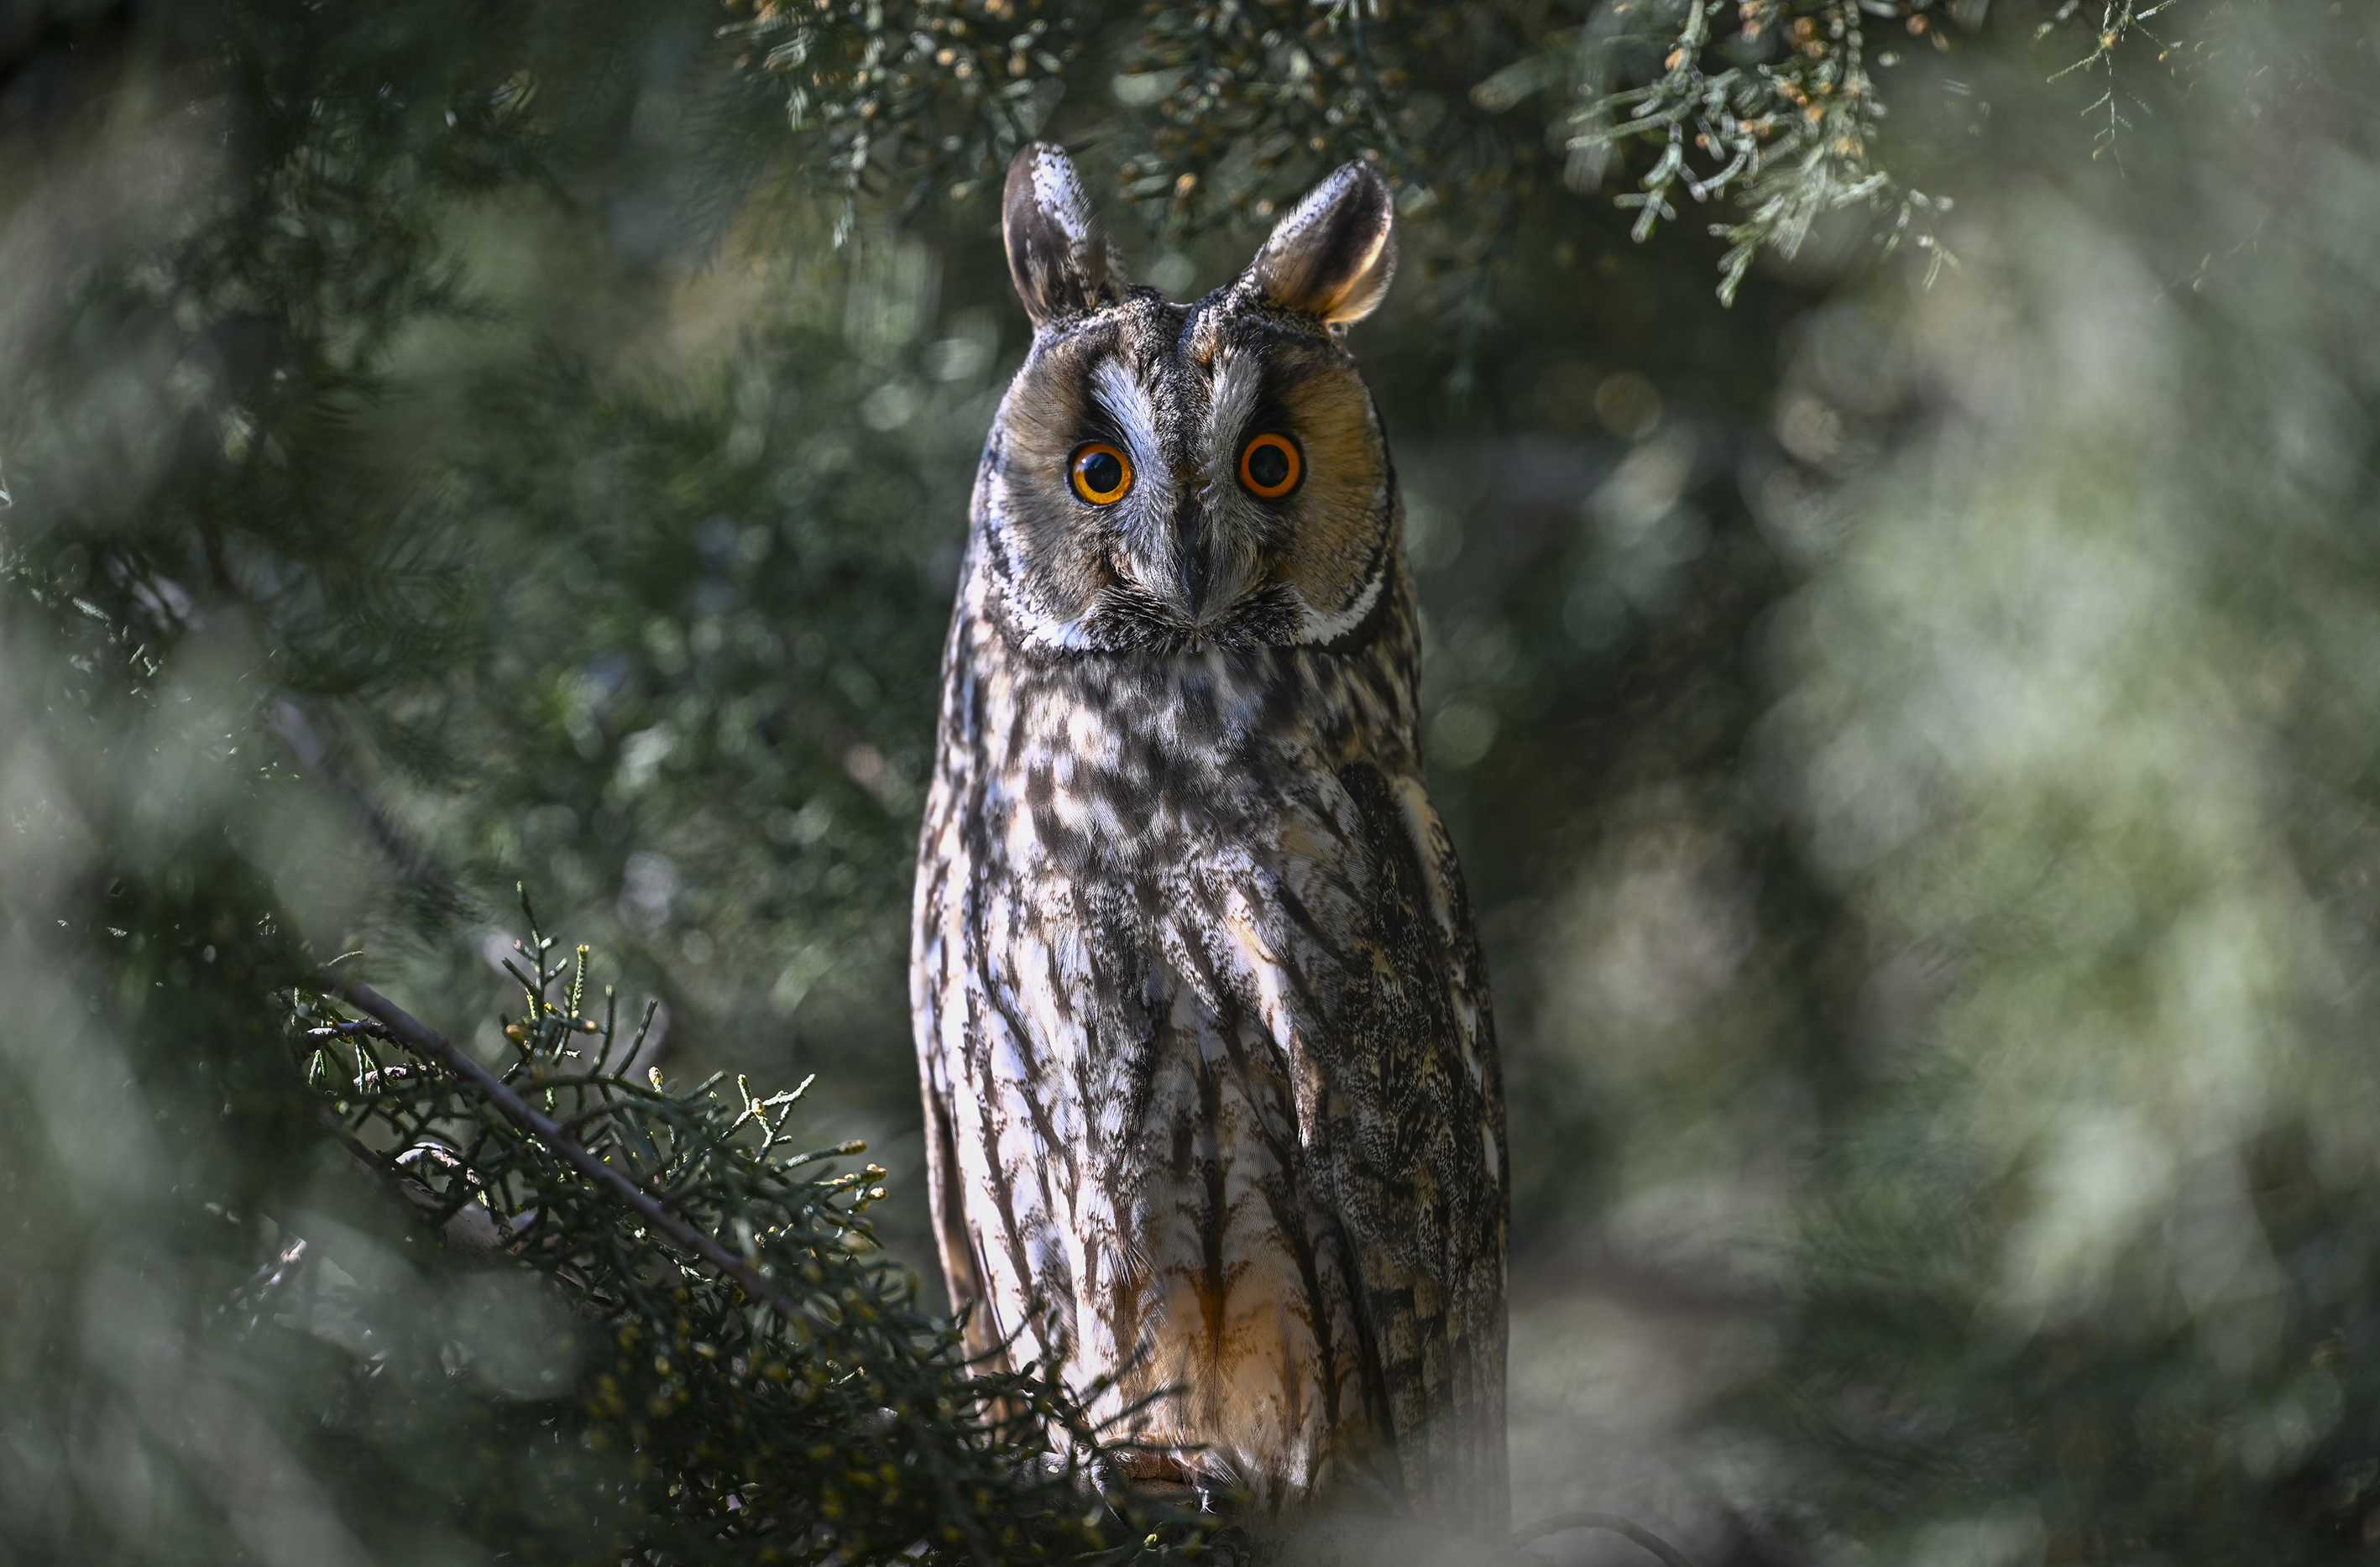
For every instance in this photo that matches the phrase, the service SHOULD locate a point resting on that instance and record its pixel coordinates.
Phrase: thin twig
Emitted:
(1642, 1538)
(422, 1040)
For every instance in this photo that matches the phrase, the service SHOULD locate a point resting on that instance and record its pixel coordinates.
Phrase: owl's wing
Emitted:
(1366, 971)
(951, 1239)
(939, 984)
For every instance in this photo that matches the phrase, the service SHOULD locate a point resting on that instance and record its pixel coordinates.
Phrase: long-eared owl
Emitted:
(1211, 1093)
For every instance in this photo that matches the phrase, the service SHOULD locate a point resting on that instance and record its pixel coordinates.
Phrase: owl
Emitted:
(1215, 1125)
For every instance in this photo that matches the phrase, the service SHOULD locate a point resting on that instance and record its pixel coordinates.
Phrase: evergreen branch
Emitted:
(425, 1041)
(466, 1226)
(725, 1366)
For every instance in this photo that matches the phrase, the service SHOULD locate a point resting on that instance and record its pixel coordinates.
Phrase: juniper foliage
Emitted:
(740, 1373)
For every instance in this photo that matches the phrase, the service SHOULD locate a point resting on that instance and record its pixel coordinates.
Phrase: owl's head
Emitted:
(1165, 477)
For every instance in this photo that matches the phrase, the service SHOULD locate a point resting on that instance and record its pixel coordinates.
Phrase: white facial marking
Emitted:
(1238, 379)
(1157, 549)
(1057, 632)
(1127, 402)
(1315, 627)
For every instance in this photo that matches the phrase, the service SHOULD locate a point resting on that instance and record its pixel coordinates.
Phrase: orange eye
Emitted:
(1100, 473)
(1270, 467)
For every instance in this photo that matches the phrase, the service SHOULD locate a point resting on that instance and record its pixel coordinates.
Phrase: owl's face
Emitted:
(1164, 477)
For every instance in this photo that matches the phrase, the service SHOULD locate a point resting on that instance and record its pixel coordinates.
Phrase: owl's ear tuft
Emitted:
(1334, 253)
(1058, 254)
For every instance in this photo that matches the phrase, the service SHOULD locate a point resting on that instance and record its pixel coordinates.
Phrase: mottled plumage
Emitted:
(1201, 1018)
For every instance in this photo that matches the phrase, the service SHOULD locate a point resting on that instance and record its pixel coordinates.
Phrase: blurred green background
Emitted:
(1914, 740)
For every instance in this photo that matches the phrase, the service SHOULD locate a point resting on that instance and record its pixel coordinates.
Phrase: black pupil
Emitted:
(1267, 464)
(1102, 474)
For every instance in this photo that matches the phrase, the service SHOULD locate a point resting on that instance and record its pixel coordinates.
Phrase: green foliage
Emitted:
(1778, 109)
(724, 678)
(803, 1407)
(917, 96)
(1791, 122)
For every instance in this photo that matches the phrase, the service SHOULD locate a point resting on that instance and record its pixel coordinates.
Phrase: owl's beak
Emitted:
(1211, 567)
(1193, 549)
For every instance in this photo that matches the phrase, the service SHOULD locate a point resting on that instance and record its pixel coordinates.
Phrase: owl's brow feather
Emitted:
(1238, 386)
(1125, 397)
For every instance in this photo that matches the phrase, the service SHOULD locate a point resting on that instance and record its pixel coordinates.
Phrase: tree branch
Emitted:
(426, 1042)
(1610, 1522)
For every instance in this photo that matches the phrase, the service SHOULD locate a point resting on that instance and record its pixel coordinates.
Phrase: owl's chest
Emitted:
(1117, 781)
(1114, 778)
(1133, 864)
